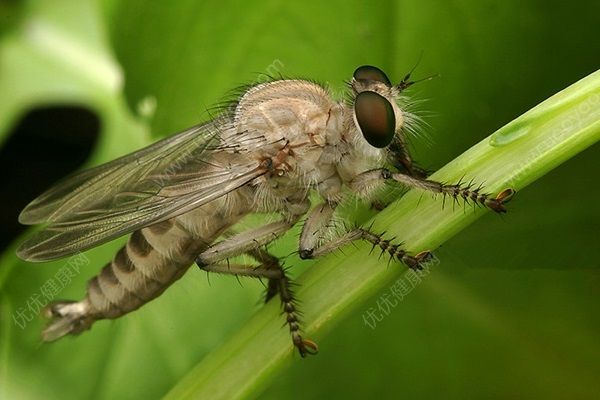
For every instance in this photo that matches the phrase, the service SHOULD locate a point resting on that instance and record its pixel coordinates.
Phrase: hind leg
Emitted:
(269, 267)
(279, 283)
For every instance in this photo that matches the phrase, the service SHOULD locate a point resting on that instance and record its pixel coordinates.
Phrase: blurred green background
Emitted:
(511, 310)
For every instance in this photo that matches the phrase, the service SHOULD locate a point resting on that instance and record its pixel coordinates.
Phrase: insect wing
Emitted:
(77, 190)
(156, 183)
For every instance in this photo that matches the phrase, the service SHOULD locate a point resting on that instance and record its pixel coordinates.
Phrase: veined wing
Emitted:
(156, 183)
(74, 191)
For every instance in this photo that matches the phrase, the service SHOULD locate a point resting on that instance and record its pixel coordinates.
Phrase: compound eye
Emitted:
(371, 73)
(376, 119)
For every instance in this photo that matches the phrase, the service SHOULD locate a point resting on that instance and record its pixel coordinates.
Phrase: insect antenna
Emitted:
(406, 82)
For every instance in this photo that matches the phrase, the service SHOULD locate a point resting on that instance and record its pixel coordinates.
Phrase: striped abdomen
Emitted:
(153, 258)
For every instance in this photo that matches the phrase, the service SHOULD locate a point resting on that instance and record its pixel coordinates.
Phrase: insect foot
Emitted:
(497, 204)
(307, 346)
(467, 194)
(417, 262)
(304, 346)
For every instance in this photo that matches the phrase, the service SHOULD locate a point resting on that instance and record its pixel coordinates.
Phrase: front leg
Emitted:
(465, 192)
(403, 161)
(320, 216)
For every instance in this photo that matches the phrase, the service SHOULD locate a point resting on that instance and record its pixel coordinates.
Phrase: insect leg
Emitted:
(270, 268)
(403, 161)
(456, 191)
(243, 242)
(316, 222)
(264, 257)
(395, 251)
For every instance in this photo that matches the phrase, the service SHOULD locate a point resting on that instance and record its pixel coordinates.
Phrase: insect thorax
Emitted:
(311, 138)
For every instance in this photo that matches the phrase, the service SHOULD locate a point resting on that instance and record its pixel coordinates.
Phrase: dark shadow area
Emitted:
(46, 145)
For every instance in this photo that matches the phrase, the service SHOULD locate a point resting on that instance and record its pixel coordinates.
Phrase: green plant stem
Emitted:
(514, 156)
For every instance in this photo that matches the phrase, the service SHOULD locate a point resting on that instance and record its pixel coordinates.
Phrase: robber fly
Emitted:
(181, 196)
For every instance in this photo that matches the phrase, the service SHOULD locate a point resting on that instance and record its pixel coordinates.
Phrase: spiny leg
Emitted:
(316, 223)
(394, 250)
(270, 268)
(318, 220)
(455, 191)
(243, 242)
(304, 346)
(403, 161)
(282, 286)
(251, 242)
(265, 258)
